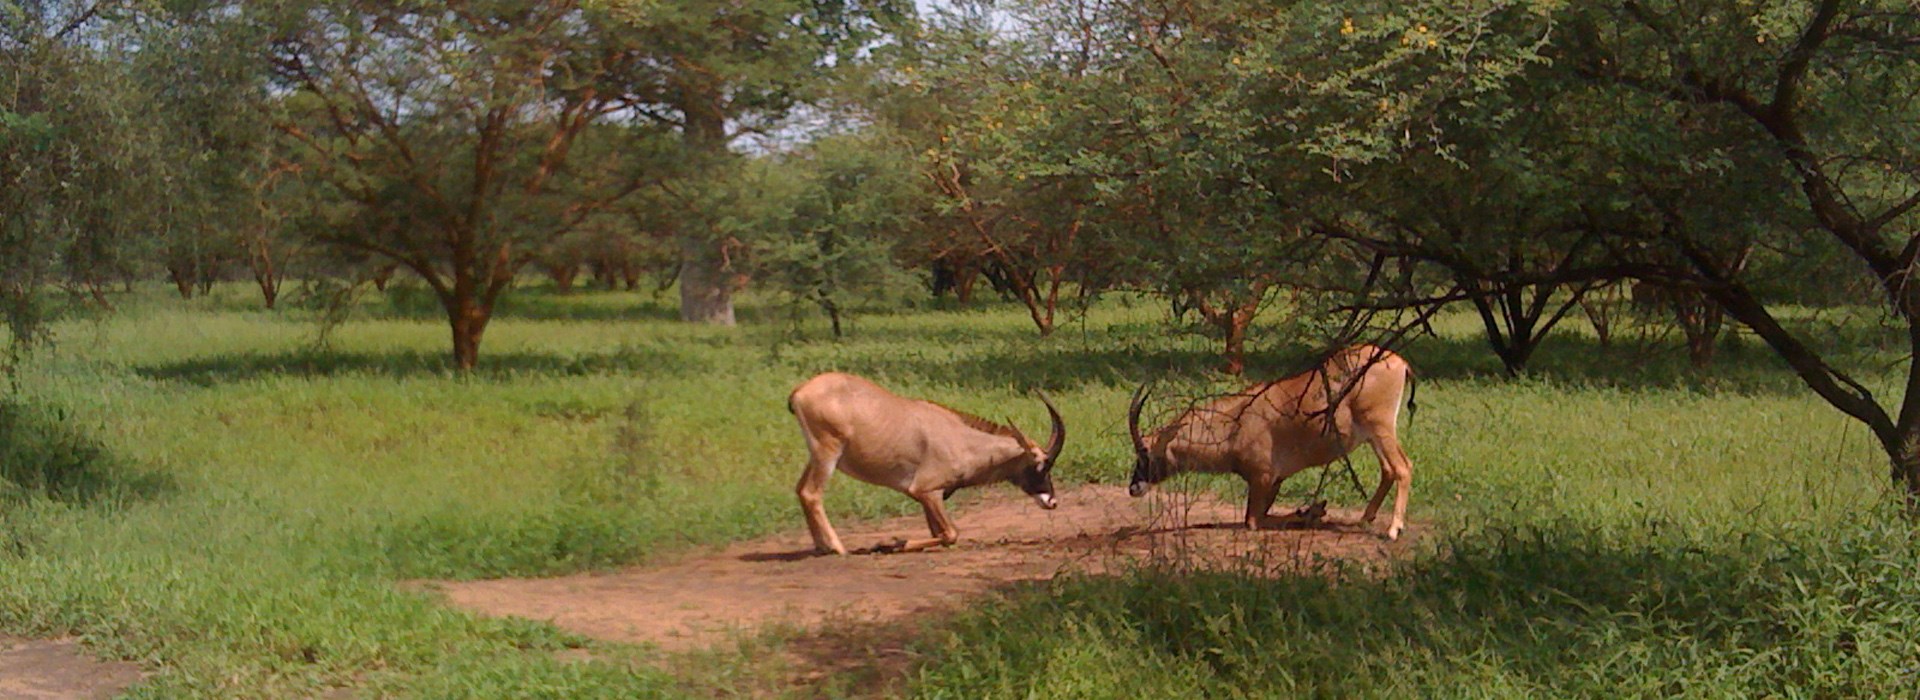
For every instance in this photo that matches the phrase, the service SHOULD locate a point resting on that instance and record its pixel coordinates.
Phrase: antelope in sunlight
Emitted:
(919, 448)
(1269, 431)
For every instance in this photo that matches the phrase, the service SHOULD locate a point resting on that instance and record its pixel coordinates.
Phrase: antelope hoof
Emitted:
(1393, 533)
(1313, 513)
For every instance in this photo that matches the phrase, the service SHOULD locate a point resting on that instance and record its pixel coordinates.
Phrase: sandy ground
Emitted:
(702, 599)
(33, 669)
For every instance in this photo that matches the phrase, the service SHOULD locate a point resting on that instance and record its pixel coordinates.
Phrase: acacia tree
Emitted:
(1693, 131)
(1804, 112)
(718, 70)
(81, 170)
(1162, 125)
(446, 138)
(823, 221)
(1502, 227)
(1089, 147)
(987, 113)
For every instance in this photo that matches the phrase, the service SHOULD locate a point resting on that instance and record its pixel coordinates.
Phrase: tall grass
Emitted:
(1548, 610)
(198, 486)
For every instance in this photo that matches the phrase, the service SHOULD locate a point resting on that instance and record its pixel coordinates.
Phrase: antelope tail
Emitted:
(1413, 388)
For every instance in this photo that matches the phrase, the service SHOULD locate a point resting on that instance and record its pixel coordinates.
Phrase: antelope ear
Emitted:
(1019, 434)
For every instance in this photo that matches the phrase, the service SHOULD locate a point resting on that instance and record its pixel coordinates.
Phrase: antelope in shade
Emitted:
(1267, 432)
(919, 448)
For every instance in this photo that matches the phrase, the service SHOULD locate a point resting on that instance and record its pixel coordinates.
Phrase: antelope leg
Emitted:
(938, 524)
(1260, 494)
(813, 484)
(1403, 483)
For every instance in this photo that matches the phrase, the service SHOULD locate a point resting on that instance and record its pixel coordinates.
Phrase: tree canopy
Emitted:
(1513, 156)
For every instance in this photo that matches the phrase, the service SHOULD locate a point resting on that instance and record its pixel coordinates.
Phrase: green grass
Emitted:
(197, 486)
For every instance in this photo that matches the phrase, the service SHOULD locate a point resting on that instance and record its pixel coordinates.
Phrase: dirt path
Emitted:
(35, 669)
(1005, 538)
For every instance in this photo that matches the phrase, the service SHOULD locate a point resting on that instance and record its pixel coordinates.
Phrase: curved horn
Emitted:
(1059, 437)
(1133, 418)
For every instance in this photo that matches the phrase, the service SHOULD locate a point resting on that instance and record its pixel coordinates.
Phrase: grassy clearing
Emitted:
(197, 486)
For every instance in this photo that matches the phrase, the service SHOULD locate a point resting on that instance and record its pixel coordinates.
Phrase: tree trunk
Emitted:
(182, 280)
(1600, 306)
(563, 275)
(1514, 346)
(706, 292)
(630, 273)
(468, 318)
(1517, 324)
(833, 313)
(1233, 318)
(269, 288)
(265, 273)
(99, 293)
(1236, 350)
(383, 275)
(963, 285)
(1700, 319)
(1905, 456)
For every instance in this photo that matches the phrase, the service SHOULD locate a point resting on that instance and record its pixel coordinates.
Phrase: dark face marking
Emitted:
(1037, 481)
(1145, 474)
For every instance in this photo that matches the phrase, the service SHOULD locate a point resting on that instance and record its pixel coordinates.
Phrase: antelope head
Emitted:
(1036, 476)
(1146, 470)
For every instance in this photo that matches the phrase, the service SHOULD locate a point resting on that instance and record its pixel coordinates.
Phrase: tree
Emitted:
(1102, 144)
(82, 168)
(826, 220)
(1494, 218)
(204, 70)
(717, 70)
(1803, 112)
(1691, 133)
(450, 139)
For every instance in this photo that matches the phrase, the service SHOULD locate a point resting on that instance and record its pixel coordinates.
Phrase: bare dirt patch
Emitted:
(701, 599)
(36, 669)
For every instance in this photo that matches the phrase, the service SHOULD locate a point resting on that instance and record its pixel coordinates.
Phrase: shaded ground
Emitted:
(1005, 539)
(34, 669)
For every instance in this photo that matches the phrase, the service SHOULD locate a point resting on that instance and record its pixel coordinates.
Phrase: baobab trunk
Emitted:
(706, 292)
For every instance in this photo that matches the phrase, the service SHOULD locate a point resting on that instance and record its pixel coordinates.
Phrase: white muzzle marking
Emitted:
(1046, 501)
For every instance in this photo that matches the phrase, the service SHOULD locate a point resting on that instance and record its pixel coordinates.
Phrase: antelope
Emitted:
(1269, 431)
(920, 448)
